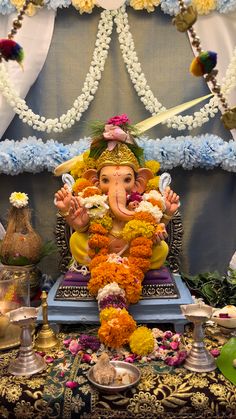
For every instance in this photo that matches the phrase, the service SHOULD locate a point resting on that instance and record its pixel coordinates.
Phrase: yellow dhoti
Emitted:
(79, 249)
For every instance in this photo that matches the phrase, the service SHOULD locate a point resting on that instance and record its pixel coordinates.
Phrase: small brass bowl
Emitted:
(121, 368)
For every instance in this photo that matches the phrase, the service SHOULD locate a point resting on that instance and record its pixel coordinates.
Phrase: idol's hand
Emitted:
(78, 216)
(63, 199)
(160, 233)
(172, 202)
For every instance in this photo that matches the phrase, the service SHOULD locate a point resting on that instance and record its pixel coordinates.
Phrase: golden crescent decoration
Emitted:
(169, 113)
(68, 165)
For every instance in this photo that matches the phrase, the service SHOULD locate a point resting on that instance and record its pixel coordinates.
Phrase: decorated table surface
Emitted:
(63, 390)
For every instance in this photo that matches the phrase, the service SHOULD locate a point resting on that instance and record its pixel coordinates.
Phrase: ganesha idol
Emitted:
(118, 210)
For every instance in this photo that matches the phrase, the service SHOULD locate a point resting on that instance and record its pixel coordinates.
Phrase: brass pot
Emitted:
(25, 273)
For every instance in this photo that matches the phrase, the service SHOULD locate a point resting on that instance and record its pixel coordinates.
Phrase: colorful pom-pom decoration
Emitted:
(10, 50)
(204, 63)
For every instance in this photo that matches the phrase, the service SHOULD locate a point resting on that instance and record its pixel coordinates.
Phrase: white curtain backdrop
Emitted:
(35, 37)
(217, 32)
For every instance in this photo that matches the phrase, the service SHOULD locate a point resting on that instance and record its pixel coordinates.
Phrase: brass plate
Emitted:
(11, 338)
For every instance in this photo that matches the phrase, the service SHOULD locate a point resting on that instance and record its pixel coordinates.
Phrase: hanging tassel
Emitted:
(10, 50)
(204, 63)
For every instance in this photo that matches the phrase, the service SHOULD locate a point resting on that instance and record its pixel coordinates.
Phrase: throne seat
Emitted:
(70, 303)
(157, 283)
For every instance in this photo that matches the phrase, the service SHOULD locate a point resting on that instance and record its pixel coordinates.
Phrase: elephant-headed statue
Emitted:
(119, 218)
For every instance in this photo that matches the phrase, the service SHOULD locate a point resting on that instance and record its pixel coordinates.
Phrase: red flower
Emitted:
(215, 352)
(71, 384)
(119, 120)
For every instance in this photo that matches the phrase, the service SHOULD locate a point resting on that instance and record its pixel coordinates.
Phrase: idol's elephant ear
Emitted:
(143, 176)
(92, 175)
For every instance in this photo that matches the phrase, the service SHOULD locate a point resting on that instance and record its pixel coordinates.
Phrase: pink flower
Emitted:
(86, 358)
(215, 352)
(130, 359)
(116, 358)
(71, 384)
(40, 353)
(134, 196)
(167, 335)
(66, 342)
(174, 345)
(74, 347)
(177, 359)
(49, 359)
(119, 120)
(163, 347)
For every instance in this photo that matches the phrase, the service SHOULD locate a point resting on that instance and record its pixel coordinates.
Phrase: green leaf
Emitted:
(97, 147)
(225, 360)
(216, 289)
(48, 249)
(17, 261)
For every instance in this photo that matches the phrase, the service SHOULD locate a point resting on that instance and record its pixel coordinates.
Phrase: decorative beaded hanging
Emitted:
(206, 60)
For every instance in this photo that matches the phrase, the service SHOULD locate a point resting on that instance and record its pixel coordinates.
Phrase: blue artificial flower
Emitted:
(6, 7)
(54, 4)
(34, 155)
(226, 6)
(171, 7)
(229, 161)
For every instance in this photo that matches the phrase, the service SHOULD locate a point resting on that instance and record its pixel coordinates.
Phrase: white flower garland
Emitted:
(139, 81)
(40, 123)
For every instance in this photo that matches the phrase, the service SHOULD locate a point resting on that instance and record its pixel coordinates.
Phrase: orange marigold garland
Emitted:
(97, 228)
(117, 330)
(128, 272)
(90, 191)
(117, 281)
(80, 184)
(141, 251)
(143, 264)
(107, 272)
(98, 241)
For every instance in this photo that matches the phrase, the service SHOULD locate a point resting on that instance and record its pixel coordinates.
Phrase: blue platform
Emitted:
(145, 311)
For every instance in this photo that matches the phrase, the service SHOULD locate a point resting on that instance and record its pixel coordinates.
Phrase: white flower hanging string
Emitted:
(81, 103)
(90, 87)
(151, 103)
